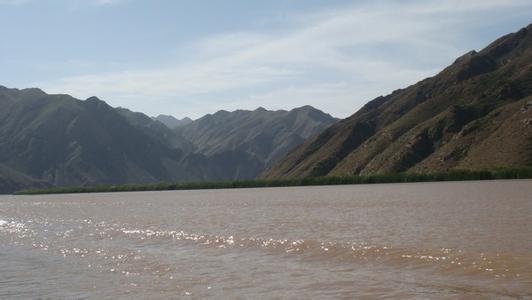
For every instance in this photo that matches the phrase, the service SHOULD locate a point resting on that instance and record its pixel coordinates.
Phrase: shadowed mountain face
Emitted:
(476, 113)
(11, 180)
(57, 140)
(262, 134)
(156, 130)
(64, 141)
(234, 145)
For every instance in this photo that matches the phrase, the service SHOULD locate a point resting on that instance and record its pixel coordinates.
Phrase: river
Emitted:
(425, 240)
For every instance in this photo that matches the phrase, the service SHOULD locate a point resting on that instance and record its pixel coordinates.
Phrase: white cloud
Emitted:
(335, 60)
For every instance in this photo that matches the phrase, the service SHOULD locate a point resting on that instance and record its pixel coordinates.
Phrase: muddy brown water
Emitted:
(423, 240)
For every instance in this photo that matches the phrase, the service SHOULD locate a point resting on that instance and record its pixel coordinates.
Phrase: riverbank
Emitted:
(457, 175)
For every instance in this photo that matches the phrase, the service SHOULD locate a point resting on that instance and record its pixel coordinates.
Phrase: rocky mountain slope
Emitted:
(476, 113)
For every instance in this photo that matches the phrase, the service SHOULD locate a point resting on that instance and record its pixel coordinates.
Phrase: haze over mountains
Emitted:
(476, 113)
(57, 140)
(172, 122)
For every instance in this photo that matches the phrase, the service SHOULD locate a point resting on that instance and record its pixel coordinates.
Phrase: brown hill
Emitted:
(476, 113)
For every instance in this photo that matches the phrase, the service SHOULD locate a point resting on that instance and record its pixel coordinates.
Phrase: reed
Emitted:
(454, 175)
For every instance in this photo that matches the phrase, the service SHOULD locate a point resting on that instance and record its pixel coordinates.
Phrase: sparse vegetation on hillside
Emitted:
(476, 113)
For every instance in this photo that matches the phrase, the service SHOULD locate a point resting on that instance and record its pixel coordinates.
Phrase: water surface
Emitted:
(426, 240)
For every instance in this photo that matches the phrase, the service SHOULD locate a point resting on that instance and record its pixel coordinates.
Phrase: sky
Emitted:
(190, 58)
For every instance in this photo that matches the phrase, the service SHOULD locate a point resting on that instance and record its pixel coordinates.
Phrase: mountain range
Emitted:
(265, 135)
(57, 140)
(475, 114)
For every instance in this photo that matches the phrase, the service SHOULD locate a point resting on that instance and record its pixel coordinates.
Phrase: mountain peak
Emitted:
(305, 108)
(32, 91)
(221, 112)
(468, 116)
(172, 122)
(93, 99)
(466, 56)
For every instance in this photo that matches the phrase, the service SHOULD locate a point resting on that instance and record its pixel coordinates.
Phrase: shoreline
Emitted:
(456, 175)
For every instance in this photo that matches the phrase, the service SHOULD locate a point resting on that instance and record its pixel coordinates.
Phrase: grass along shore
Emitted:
(456, 175)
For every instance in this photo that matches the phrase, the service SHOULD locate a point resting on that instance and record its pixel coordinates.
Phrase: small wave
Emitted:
(453, 260)
(11, 225)
(15, 227)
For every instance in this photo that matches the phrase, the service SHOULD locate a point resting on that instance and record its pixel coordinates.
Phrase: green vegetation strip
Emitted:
(456, 175)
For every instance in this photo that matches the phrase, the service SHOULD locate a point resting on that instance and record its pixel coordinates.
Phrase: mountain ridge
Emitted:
(58, 140)
(263, 133)
(172, 122)
(430, 125)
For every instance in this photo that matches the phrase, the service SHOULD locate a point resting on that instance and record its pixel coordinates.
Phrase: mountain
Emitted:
(172, 122)
(234, 145)
(63, 141)
(57, 140)
(263, 134)
(11, 180)
(156, 130)
(476, 113)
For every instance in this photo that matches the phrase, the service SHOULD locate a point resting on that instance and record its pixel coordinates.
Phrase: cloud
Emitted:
(336, 59)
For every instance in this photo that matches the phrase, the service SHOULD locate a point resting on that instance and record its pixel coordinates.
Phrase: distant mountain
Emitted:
(476, 113)
(266, 135)
(57, 140)
(156, 129)
(172, 122)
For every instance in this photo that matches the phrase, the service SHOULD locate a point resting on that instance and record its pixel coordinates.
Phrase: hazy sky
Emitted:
(189, 58)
